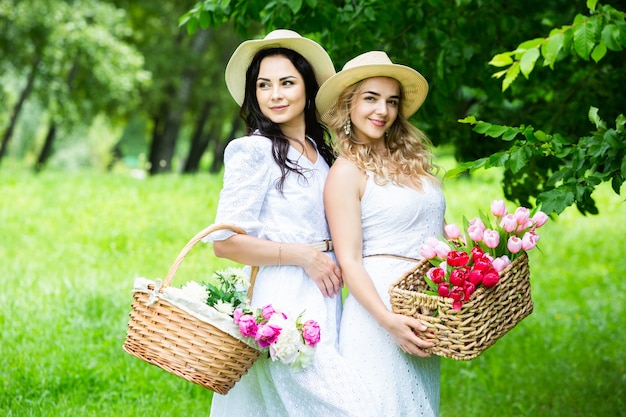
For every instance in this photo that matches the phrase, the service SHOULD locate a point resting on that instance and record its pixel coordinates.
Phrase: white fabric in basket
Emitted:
(201, 311)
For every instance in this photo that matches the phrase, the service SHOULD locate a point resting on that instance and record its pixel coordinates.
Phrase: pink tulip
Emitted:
(458, 277)
(475, 233)
(475, 277)
(540, 218)
(427, 252)
(491, 238)
(436, 275)
(444, 289)
(514, 244)
(500, 264)
(442, 249)
(478, 223)
(508, 223)
(453, 231)
(498, 208)
(521, 214)
(529, 240)
(491, 278)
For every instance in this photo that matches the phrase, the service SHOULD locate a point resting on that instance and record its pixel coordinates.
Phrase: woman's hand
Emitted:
(324, 272)
(404, 331)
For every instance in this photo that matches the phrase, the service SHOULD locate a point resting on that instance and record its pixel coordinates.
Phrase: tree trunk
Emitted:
(199, 141)
(162, 152)
(8, 133)
(46, 151)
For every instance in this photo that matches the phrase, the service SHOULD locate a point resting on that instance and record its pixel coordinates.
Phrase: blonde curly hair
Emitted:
(407, 148)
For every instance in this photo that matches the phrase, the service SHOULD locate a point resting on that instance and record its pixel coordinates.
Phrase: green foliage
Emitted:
(588, 37)
(573, 169)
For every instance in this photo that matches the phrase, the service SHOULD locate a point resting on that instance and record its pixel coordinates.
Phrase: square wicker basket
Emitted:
(464, 334)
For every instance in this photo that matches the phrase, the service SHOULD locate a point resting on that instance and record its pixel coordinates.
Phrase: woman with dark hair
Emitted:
(273, 189)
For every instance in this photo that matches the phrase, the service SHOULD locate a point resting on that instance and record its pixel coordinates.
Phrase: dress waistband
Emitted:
(323, 246)
(385, 255)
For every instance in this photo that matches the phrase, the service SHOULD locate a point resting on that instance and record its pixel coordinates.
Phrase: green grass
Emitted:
(71, 244)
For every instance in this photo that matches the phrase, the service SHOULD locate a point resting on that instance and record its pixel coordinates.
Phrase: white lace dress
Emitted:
(396, 220)
(250, 200)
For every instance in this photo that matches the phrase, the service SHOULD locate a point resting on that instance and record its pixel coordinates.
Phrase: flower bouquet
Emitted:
(472, 288)
(196, 331)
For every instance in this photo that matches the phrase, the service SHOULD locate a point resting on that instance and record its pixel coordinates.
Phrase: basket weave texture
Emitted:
(465, 334)
(174, 340)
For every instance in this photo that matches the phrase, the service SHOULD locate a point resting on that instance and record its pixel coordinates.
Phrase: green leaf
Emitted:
(555, 201)
(527, 63)
(584, 40)
(518, 159)
(511, 75)
(294, 5)
(511, 134)
(501, 60)
(612, 37)
(550, 49)
(591, 4)
(468, 120)
(598, 52)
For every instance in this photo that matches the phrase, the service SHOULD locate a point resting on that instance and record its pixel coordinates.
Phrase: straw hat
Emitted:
(281, 38)
(367, 65)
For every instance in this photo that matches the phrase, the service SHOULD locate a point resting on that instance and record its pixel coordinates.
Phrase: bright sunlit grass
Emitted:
(71, 245)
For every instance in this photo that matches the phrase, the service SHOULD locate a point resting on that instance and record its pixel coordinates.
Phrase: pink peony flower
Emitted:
(248, 325)
(267, 311)
(237, 315)
(498, 208)
(267, 334)
(311, 332)
(491, 238)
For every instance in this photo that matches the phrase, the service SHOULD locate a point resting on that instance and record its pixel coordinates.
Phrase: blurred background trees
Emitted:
(125, 84)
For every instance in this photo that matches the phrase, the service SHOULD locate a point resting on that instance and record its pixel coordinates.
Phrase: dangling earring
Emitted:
(386, 133)
(347, 128)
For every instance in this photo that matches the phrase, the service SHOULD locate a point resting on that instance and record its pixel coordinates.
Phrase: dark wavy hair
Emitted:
(255, 120)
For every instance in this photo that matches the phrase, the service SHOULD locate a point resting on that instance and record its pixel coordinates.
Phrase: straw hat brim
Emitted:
(242, 57)
(414, 87)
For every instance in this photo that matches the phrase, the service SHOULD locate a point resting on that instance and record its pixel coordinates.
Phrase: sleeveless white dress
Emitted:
(250, 200)
(396, 220)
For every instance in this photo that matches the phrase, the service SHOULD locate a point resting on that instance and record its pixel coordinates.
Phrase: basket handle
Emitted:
(197, 238)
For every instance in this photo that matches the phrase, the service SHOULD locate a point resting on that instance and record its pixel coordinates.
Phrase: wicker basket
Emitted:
(464, 334)
(172, 339)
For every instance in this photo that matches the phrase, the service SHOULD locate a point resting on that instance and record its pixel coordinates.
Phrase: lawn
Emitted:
(72, 243)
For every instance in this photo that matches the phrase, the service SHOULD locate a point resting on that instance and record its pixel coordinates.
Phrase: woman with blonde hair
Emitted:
(382, 202)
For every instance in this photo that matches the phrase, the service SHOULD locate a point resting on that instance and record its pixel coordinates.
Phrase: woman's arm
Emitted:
(342, 200)
(250, 250)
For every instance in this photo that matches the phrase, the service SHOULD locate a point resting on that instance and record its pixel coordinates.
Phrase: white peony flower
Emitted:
(305, 357)
(224, 307)
(237, 277)
(289, 342)
(196, 292)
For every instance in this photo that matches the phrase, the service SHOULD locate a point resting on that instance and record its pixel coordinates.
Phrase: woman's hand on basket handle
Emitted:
(405, 330)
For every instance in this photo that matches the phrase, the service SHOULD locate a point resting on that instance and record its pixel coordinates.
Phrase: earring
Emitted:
(347, 128)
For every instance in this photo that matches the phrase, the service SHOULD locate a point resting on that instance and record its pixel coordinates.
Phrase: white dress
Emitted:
(250, 200)
(396, 220)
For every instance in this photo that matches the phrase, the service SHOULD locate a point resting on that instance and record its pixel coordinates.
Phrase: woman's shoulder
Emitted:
(254, 147)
